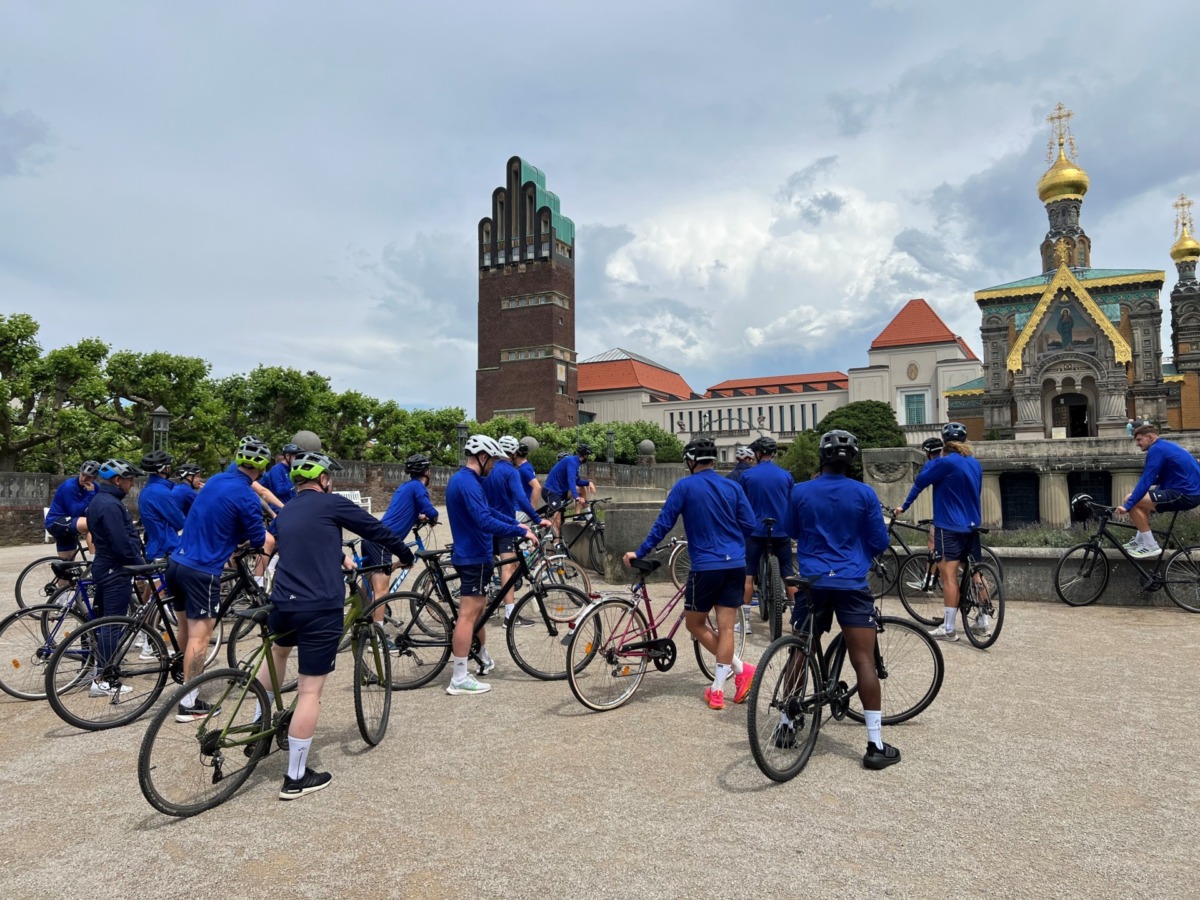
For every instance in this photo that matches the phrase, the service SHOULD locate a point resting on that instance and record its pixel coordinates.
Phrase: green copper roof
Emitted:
(975, 384)
(1082, 274)
(564, 228)
(1169, 369)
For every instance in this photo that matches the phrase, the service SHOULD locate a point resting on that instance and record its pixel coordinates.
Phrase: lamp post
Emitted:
(609, 454)
(461, 430)
(160, 427)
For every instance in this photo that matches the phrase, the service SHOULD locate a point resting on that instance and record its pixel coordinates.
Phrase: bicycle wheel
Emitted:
(245, 639)
(602, 675)
(187, 767)
(101, 678)
(708, 662)
(885, 568)
(785, 709)
(921, 589)
(1182, 579)
(983, 607)
(1081, 575)
(418, 633)
(372, 682)
(992, 560)
(778, 598)
(596, 550)
(36, 583)
(28, 638)
(562, 569)
(910, 668)
(680, 564)
(540, 648)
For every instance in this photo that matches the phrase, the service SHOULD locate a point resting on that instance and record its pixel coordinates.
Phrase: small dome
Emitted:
(1186, 248)
(646, 447)
(306, 440)
(1063, 180)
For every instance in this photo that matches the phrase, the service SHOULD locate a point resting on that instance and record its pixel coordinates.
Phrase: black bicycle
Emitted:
(772, 593)
(40, 580)
(891, 568)
(593, 530)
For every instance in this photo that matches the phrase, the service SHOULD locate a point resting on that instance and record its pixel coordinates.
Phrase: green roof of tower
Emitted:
(564, 228)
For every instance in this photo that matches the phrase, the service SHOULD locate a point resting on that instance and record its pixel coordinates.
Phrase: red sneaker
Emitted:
(741, 683)
(715, 699)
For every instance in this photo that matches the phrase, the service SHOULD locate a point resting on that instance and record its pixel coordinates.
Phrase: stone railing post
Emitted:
(1054, 504)
(993, 512)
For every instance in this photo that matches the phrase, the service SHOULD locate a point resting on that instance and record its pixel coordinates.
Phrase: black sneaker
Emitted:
(309, 784)
(195, 712)
(875, 758)
(515, 621)
(785, 736)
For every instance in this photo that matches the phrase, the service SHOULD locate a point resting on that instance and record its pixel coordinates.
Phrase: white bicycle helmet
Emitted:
(508, 444)
(744, 453)
(481, 443)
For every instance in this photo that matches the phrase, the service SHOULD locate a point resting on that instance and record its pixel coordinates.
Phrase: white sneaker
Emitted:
(1131, 544)
(468, 686)
(148, 653)
(737, 628)
(941, 634)
(104, 689)
(982, 624)
(486, 666)
(1146, 552)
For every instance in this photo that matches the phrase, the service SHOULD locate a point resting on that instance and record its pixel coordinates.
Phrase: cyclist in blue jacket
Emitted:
(65, 519)
(717, 520)
(1170, 482)
(561, 482)
(767, 488)
(745, 462)
(159, 510)
(191, 479)
(409, 505)
(278, 479)
(529, 480)
(837, 524)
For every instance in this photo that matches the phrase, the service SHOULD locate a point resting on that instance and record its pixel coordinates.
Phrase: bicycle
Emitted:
(1082, 574)
(29, 636)
(795, 680)
(423, 640)
(593, 527)
(615, 639)
(888, 569)
(679, 562)
(38, 581)
(772, 594)
(187, 768)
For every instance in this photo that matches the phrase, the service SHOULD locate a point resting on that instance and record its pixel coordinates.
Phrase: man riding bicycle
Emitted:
(1170, 482)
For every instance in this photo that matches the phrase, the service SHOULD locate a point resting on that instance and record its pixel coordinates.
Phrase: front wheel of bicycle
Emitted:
(920, 589)
(539, 630)
(1081, 575)
(778, 598)
(561, 569)
(1183, 578)
(680, 564)
(884, 570)
(28, 638)
(37, 582)
(372, 682)
(597, 549)
(983, 607)
(186, 767)
(785, 709)
(419, 633)
(909, 664)
(741, 627)
(601, 673)
(245, 640)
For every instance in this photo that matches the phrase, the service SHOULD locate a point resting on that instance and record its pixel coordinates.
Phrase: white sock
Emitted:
(297, 756)
(737, 665)
(258, 706)
(723, 672)
(484, 655)
(508, 608)
(951, 614)
(190, 700)
(460, 669)
(1148, 540)
(874, 720)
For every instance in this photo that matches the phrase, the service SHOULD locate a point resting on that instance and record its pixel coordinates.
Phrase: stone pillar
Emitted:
(1123, 482)
(993, 513)
(1054, 506)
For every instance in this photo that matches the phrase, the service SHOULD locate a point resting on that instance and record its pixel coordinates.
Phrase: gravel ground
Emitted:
(1048, 766)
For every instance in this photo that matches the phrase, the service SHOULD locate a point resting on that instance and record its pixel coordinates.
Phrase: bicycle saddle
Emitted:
(256, 614)
(768, 521)
(68, 569)
(159, 565)
(645, 565)
(431, 554)
(799, 581)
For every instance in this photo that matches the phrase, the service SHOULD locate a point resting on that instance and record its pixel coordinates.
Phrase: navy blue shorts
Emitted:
(374, 555)
(950, 544)
(63, 531)
(714, 587)
(504, 546)
(1173, 501)
(474, 579)
(196, 594)
(554, 501)
(855, 609)
(781, 549)
(317, 632)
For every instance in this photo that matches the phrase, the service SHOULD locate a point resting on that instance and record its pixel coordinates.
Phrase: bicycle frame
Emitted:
(1151, 579)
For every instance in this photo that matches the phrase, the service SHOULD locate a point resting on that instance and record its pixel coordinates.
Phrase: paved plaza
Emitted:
(1060, 763)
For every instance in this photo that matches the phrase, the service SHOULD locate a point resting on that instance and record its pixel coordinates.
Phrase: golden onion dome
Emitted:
(1185, 248)
(1063, 180)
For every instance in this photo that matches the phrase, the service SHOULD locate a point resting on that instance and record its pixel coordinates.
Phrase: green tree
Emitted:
(871, 421)
(800, 458)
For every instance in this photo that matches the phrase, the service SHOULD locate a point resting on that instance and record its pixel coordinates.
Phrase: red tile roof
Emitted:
(622, 374)
(797, 384)
(916, 324)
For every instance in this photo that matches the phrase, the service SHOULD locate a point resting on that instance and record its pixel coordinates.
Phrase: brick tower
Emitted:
(527, 363)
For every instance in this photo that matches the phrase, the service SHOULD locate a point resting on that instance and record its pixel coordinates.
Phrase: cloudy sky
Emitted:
(757, 187)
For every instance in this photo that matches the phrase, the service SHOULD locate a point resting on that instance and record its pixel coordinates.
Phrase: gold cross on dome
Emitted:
(1060, 132)
(1062, 253)
(1183, 214)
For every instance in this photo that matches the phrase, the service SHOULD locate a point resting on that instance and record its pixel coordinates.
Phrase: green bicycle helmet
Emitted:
(253, 453)
(309, 465)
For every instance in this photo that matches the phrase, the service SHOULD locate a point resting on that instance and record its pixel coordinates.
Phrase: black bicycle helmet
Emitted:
(291, 450)
(563, 454)
(90, 467)
(837, 445)
(700, 450)
(583, 450)
(157, 460)
(1081, 506)
(522, 450)
(417, 465)
(932, 445)
(954, 431)
(187, 470)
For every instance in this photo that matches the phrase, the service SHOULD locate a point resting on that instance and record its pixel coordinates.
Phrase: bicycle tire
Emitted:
(561, 569)
(708, 662)
(912, 674)
(597, 551)
(680, 564)
(243, 642)
(421, 642)
(1182, 576)
(178, 761)
(1081, 575)
(988, 556)
(37, 583)
(921, 589)
(778, 598)
(885, 569)
(539, 650)
(787, 681)
(601, 676)
(372, 682)
(761, 585)
(28, 638)
(983, 609)
(76, 665)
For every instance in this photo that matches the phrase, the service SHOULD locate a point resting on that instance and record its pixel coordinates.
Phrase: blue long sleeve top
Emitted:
(768, 488)
(111, 526)
(226, 513)
(1171, 468)
(184, 495)
(957, 486)
(278, 480)
(161, 517)
(716, 519)
(309, 535)
(473, 523)
(838, 527)
(408, 503)
(503, 491)
(71, 499)
(562, 477)
(528, 476)
(739, 469)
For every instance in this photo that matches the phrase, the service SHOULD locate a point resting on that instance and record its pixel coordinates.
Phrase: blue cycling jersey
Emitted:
(957, 486)
(473, 523)
(185, 495)
(528, 476)
(111, 526)
(838, 527)
(70, 500)
(716, 519)
(408, 503)
(503, 491)
(278, 480)
(768, 488)
(563, 476)
(1170, 468)
(226, 513)
(161, 516)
